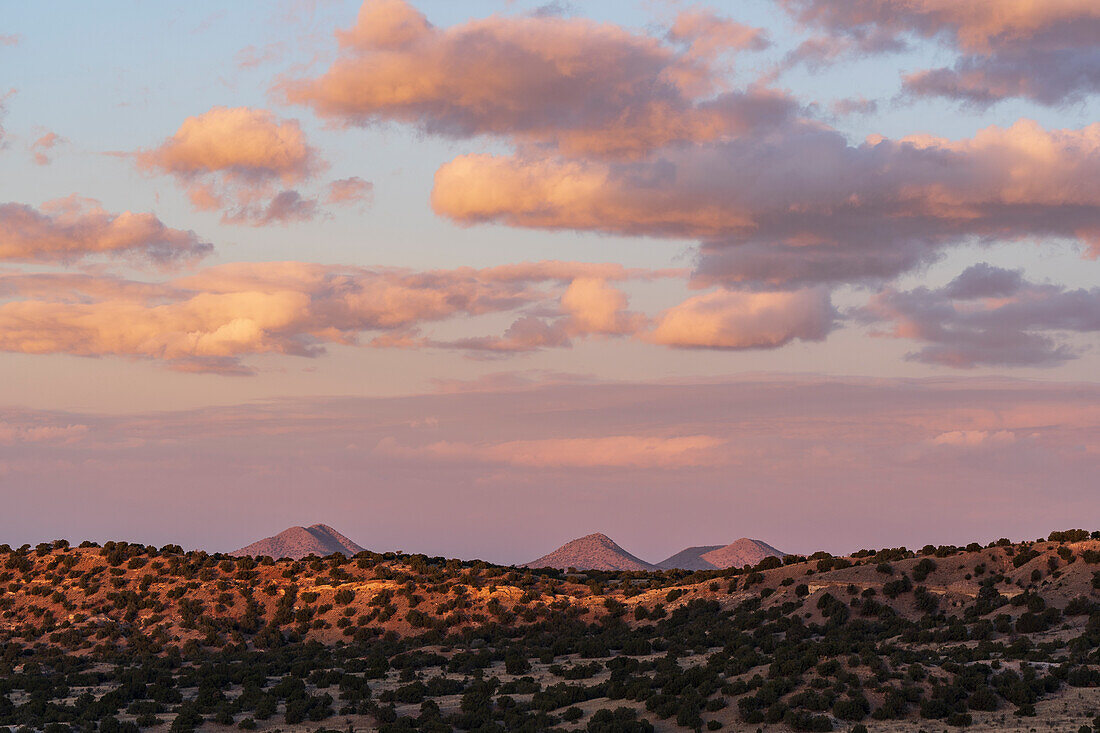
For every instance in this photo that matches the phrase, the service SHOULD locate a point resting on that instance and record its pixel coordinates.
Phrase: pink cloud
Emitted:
(43, 146)
(239, 160)
(740, 320)
(975, 438)
(352, 190)
(814, 209)
(853, 106)
(15, 433)
(577, 85)
(71, 229)
(213, 319)
(618, 451)
(594, 307)
(989, 316)
(4, 97)
(251, 57)
(711, 35)
(1043, 51)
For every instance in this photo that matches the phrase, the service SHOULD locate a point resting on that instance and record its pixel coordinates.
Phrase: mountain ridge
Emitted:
(597, 551)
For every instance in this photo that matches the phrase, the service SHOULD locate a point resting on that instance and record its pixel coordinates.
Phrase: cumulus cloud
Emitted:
(1043, 51)
(240, 160)
(217, 318)
(594, 307)
(213, 319)
(801, 205)
(741, 320)
(570, 83)
(617, 451)
(989, 316)
(589, 306)
(73, 228)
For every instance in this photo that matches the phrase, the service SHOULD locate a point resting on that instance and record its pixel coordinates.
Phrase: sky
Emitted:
(477, 278)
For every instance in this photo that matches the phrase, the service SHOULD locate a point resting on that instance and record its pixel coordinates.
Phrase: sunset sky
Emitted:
(476, 278)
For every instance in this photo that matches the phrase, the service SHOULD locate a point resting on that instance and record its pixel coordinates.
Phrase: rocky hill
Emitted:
(592, 552)
(298, 542)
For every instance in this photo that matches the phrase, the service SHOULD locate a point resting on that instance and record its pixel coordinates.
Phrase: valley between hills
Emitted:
(123, 636)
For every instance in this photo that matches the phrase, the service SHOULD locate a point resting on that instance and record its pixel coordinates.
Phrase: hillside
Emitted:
(740, 553)
(591, 552)
(998, 637)
(690, 558)
(298, 542)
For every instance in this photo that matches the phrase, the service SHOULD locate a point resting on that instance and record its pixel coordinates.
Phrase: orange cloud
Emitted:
(581, 86)
(73, 228)
(209, 321)
(594, 307)
(216, 318)
(238, 159)
(742, 320)
(558, 193)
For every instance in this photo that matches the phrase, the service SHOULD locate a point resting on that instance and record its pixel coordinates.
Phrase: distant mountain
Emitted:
(299, 542)
(593, 552)
(738, 553)
(690, 558)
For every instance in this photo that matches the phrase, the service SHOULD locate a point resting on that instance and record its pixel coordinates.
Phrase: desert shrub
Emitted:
(1023, 557)
(1069, 535)
(620, 720)
(895, 588)
(923, 569)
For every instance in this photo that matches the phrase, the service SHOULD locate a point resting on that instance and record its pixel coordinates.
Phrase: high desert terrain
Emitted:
(126, 637)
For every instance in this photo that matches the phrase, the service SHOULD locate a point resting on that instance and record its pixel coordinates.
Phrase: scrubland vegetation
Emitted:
(126, 637)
